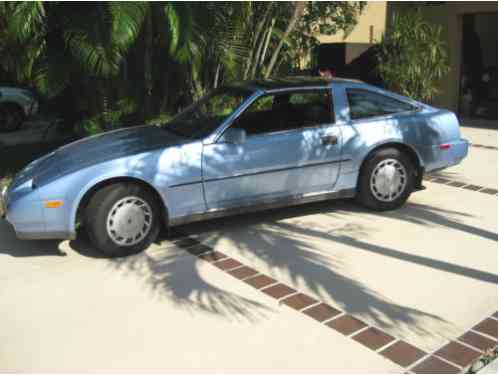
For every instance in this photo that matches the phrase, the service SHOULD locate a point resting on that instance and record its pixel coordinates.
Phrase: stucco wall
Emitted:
(374, 15)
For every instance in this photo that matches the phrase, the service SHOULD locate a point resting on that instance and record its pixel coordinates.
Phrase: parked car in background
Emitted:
(245, 147)
(15, 106)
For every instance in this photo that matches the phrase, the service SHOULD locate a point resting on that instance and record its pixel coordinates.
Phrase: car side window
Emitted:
(366, 104)
(286, 111)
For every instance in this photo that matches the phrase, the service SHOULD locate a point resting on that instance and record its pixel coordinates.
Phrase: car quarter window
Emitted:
(286, 111)
(366, 104)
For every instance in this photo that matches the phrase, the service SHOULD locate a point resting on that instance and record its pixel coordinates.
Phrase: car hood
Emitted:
(98, 149)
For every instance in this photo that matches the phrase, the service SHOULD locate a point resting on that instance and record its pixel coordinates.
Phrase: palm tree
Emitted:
(68, 40)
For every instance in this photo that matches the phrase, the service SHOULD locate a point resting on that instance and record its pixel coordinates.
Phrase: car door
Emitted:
(292, 148)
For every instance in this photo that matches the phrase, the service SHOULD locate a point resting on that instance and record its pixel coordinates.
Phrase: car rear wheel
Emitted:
(11, 117)
(122, 219)
(387, 180)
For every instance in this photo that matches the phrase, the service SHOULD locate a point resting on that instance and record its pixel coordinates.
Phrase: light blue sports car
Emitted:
(244, 147)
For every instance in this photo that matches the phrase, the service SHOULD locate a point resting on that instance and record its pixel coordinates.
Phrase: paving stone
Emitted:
(440, 180)
(433, 365)
(489, 327)
(299, 301)
(473, 187)
(458, 353)
(489, 191)
(260, 281)
(199, 249)
(213, 256)
(477, 341)
(186, 242)
(457, 184)
(322, 312)
(373, 338)
(402, 353)
(243, 272)
(227, 264)
(346, 324)
(279, 291)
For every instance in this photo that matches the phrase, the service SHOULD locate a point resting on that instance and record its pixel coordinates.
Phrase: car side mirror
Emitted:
(234, 136)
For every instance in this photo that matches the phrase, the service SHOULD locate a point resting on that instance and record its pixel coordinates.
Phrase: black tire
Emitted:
(11, 117)
(365, 194)
(97, 212)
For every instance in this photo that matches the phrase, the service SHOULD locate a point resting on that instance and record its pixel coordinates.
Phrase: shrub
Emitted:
(107, 120)
(412, 57)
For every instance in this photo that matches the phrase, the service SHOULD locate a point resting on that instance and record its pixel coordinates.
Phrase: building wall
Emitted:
(449, 16)
(371, 25)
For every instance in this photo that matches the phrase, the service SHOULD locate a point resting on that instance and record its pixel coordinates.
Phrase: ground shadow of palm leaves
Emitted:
(171, 273)
(286, 247)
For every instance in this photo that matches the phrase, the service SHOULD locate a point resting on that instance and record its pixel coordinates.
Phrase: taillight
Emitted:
(444, 146)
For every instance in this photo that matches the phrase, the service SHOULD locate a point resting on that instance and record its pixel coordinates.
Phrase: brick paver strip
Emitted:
(477, 341)
(458, 353)
(213, 256)
(489, 327)
(373, 338)
(462, 185)
(243, 272)
(260, 281)
(322, 312)
(279, 291)
(472, 187)
(402, 353)
(433, 365)
(299, 301)
(227, 264)
(346, 324)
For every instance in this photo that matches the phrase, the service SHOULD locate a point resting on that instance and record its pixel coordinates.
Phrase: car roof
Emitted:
(295, 82)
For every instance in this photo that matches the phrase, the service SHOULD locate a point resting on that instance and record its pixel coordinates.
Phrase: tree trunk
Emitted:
(255, 62)
(299, 7)
(268, 37)
(259, 28)
(217, 76)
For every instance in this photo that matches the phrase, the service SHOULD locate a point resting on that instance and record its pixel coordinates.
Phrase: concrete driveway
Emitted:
(328, 287)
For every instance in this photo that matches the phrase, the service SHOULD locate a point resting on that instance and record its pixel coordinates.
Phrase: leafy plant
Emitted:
(412, 57)
(105, 121)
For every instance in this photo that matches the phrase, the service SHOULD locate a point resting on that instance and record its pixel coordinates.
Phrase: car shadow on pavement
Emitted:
(10, 245)
(169, 272)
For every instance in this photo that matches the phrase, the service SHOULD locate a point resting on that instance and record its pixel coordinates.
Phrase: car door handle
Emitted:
(329, 140)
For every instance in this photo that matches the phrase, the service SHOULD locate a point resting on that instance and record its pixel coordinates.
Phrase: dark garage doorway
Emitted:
(479, 66)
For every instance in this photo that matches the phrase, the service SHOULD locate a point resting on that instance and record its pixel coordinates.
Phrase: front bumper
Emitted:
(27, 219)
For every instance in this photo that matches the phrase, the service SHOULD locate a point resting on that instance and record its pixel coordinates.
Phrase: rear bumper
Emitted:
(439, 157)
(456, 152)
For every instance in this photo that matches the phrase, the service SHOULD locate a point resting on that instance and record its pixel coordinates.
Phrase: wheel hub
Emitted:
(388, 180)
(129, 221)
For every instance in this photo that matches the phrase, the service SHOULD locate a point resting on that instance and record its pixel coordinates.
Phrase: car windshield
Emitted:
(202, 118)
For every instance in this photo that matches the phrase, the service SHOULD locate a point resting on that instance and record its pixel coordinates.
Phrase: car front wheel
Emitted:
(122, 219)
(386, 180)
